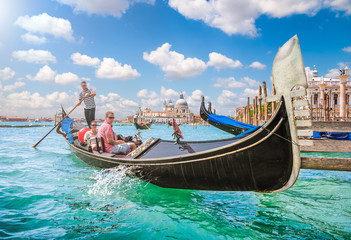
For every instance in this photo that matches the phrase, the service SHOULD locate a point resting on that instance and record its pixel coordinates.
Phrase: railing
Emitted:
(331, 119)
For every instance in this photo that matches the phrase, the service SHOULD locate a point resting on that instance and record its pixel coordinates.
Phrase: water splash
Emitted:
(112, 181)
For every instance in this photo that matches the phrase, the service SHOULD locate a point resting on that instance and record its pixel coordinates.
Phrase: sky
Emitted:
(140, 52)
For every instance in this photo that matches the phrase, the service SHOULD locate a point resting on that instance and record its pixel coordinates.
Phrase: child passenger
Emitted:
(90, 136)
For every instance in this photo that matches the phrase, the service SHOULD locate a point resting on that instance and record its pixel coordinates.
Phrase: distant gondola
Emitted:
(264, 159)
(222, 122)
(142, 125)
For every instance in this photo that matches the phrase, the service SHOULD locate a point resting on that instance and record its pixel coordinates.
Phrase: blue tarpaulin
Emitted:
(229, 121)
(333, 135)
(66, 126)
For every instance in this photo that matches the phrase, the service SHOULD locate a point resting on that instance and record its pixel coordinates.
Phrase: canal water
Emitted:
(47, 193)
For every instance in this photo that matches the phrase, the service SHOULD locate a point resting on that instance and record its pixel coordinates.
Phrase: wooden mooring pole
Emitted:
(265, 101)
(321, 163)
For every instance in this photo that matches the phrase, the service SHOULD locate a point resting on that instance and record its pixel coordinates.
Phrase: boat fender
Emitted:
(81, 134)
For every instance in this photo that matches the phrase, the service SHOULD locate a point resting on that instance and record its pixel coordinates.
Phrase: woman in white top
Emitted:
(90, 136)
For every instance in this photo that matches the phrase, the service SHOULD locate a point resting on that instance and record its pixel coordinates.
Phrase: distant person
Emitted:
(113, 145)
(89, 102)
(90, 136)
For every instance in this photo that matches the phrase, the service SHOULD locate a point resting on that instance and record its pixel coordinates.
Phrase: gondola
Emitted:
(222, 122)
(262, 159)
(142, 125)
(235, 127)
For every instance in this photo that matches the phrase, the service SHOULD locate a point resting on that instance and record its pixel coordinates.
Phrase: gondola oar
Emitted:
(58, 123)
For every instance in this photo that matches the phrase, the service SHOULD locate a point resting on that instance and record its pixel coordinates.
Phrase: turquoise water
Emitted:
(47, 193)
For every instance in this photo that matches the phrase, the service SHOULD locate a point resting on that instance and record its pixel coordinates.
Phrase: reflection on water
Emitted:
(48, 193)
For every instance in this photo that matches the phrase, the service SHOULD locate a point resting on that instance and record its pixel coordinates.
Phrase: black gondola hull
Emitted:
(261, 161)
(235, 130)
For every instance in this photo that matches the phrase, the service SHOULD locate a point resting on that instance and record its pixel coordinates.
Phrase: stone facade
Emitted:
(329, 97)
(180, 112)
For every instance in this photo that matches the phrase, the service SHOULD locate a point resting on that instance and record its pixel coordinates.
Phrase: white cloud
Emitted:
(14, 86)
(339, 5)
(151, 102)
(174, 64)
(111, 69)
(219, 61)
(286, 8)
(115, 103)
(84, 60)
(168, 93)
(45, 74)
(227, 98)
(228, 83)
(34, 56)
(102, 7)
(195, 98)
(238, 17)
(144, 93)
(333, 73)
(308, 72)
(23, 100)
(257, 65)
(46, 24)
(232, 17)
(152, 99)
(248, 92)
(30, 38)
(251, 82)
(66, 78)
(7, 73)
(347, 49)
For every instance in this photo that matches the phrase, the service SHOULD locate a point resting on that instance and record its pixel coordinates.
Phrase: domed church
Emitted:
(180, 112)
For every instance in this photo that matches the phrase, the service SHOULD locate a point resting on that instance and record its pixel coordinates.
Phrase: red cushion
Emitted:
(81, 134)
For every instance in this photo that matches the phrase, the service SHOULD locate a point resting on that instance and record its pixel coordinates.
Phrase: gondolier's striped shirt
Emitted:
(89, 101)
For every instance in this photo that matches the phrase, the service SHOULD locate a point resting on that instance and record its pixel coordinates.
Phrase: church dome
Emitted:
(181, 101)
(170, 104)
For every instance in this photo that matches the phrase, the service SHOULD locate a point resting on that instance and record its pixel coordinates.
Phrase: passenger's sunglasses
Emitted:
(111, 117)
(94, 125)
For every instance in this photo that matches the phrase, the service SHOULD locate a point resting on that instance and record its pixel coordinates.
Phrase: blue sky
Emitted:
(140, 52)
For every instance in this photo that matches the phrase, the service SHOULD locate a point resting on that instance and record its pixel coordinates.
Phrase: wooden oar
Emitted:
(58, 123)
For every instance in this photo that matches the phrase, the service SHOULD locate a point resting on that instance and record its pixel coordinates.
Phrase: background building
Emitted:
(329, 97)
(180, 112)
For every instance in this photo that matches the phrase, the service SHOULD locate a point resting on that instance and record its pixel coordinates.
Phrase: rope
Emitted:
(288, 140)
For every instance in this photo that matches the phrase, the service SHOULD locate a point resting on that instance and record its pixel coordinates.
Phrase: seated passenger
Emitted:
(111, 145)
(90, 136)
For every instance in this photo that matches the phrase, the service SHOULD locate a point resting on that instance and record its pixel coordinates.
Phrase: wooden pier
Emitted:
(257, 113)
(331, 126)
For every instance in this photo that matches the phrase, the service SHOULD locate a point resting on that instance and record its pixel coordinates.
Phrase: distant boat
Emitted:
(142, 125)
(224, 123)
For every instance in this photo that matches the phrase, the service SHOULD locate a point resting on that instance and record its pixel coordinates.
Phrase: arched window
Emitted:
(336, 99)
(315, 99)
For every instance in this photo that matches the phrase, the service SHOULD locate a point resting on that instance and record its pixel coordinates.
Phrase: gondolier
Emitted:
(89, 102)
